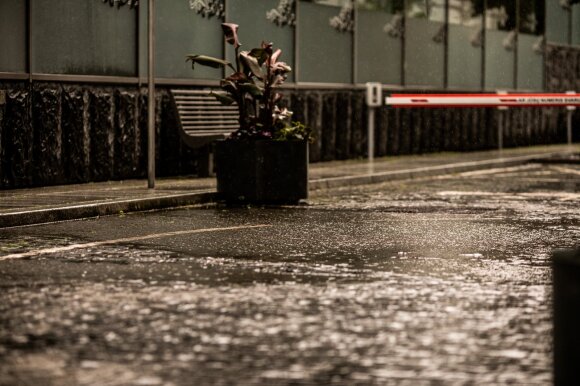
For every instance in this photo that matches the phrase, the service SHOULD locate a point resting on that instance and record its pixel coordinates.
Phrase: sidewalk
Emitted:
(67, 202)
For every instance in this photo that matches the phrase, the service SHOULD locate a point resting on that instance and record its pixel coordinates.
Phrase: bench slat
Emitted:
(207, 111)
(199, 106)
(210, 130)
(209, 133)
(196, 98)
(195, 92)
(202, 118)
(209, 116)
(233, 117)
(198, 102)
(207, 123)
(199, 133)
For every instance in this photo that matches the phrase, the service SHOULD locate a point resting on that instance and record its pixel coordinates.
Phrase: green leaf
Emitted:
(281, 68)
(278, 80)
(275, 56)
(208, 61)
(223, 99)
(260, 54)
(252, 89)
(229, 86)
(252, 64)
(238, 77)
(231, 34)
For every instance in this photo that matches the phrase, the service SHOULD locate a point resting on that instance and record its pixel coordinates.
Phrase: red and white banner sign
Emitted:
(482, 100)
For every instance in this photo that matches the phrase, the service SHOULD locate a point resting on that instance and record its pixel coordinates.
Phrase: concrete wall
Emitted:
(54, 134)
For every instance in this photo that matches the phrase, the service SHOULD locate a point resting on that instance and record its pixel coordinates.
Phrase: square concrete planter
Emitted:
(262, 171)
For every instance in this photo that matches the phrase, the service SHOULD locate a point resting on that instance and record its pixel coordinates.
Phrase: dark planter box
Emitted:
(566, 303)
(262, 171)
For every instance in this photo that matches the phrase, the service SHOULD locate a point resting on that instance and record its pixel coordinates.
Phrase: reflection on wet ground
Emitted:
(435, 281)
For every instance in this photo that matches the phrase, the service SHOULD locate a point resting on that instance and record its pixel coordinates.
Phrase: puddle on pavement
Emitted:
(399, 328)
(439, 283)
(17, 243)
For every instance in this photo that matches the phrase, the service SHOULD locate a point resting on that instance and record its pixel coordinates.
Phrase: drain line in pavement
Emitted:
(123, 240)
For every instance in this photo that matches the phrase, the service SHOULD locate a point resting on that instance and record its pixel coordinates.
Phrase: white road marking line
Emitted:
(498, 170)
(123, 240)
(563, 169)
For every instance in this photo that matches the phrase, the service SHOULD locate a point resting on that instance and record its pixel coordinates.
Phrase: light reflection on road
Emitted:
(435, 281)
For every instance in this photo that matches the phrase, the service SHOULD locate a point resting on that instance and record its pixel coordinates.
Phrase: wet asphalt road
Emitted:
(439, 281)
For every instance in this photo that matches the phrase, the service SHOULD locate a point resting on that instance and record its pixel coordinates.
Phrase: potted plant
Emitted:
(266, 159)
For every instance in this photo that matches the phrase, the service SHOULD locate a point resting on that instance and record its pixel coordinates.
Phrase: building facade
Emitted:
(73, 74)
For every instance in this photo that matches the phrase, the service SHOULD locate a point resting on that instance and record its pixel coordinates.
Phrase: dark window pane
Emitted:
(465, 42)
(532, 17)
(325, 49)
(433, 10)
(84, 38)
(389, 6)
(260, 21)
(379, 41)
(180, 31)
(333, 3)
(13, 35)
(530, 63)
(466, 12)
(557, 19)
(500, 43)
(500, 15)
(576, 25)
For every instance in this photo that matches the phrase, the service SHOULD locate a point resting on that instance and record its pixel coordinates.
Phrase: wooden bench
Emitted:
(202, 120)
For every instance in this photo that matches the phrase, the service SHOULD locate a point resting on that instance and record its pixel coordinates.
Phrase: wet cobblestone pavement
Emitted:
(441, 281)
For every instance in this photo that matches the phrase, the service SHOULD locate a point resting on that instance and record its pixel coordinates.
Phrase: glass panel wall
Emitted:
(264, 20)
(465, 44)
(500, 44)
(558, 22)
(182, 29)
(531, 45)
(576, 24)
(425, 42)
(83, 38)
(379, 41)
(326, 41)
(12, 36)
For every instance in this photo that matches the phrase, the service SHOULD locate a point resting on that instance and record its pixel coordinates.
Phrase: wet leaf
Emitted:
(231, 34)
(253, 89)
(207, 61)
(260, 54)
(251, 63)
(223, 99)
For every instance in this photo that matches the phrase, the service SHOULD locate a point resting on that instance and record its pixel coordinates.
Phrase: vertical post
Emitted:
(29, 68)
(296, 46)
(446, 48)
(354, 36)
(500, 131)
(569, 112)
(516, 46)
(483, 44)
(151, 97)
(566, 314)
(500, 126)
(569, 127)
(374, 98)
(371, 132)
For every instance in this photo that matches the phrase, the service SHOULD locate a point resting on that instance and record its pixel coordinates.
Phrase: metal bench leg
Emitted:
(205, 162)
